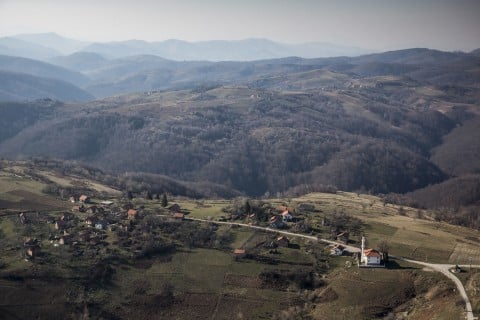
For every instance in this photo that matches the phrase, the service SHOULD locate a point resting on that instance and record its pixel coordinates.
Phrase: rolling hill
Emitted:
(375, 123)
(16, 86)
(60, 44)
(79, 61)
(250, 140)
(16, 47)
(147, 72)
(41, 69)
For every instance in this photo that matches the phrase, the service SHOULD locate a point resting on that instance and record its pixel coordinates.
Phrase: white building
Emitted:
(369, 256)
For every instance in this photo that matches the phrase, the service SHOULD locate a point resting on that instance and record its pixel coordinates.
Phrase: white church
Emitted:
(369, 257)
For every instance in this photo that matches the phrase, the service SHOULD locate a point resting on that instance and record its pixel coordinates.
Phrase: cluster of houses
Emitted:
(367, 257)
(90, 229)
(280, 220)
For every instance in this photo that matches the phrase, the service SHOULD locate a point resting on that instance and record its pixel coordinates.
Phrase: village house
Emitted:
(283, 241)
(100, 224)
(284, 208)
(369, 257)
(132, 214)
(90, 221)
(65, 239)
(240, 253)
(32, 247)
(23, 218)
(61, 225)
(178, 216)
(287, 216)
(337, 250)
(276, 222)
(79, 208)
(84, 199)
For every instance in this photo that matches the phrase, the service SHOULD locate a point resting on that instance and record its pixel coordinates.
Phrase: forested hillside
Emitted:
(251, 140)
(382, 123)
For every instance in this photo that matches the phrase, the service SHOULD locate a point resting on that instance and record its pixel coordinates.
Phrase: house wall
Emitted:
(373, 260)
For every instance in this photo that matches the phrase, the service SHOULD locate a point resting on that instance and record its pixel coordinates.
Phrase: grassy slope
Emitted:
(407, 235)
(210, 281)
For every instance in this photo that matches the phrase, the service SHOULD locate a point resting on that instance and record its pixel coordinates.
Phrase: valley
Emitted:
(243, 179)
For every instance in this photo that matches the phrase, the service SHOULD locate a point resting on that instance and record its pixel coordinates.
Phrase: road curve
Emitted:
(445, 269)
(442, 268)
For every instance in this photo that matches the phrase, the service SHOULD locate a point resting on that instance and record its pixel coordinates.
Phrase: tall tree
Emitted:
(164, 200)
(384, 249)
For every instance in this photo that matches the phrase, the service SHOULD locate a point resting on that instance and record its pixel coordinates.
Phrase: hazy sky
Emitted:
(370, 24)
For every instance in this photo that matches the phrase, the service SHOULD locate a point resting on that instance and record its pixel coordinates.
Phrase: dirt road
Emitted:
(442, 268)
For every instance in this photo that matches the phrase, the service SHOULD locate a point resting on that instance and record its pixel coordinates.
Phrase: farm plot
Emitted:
(465, 253)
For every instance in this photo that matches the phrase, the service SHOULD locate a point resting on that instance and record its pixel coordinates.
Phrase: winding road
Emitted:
(442, 268)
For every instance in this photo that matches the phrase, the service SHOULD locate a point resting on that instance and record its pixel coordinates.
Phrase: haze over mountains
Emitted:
(48, 45)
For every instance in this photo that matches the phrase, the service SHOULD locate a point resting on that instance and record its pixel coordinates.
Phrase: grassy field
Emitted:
(212, 283)
(21, 192)
(421, 239)
(407, 235)
(368, 293)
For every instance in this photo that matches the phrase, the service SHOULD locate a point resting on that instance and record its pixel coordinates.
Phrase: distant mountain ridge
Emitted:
(45, 46)
(16, 47)
(54, 41)
(222, 50)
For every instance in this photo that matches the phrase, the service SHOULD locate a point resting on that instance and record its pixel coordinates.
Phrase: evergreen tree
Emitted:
(148, 196)
(248, 207)
(164, 200)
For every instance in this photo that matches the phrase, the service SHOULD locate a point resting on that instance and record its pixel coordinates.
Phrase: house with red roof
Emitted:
(369, 257)
(132, 214)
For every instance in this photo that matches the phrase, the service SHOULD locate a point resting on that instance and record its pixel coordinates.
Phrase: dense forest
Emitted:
(398, 122)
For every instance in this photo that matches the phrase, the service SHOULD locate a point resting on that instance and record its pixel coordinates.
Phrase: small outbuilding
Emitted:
(282, 241)
(132, 214)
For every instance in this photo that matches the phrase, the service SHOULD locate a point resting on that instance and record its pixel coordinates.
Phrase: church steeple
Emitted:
(362, 253)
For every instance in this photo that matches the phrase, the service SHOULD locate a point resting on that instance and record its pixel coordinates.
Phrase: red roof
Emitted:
(284, 208)
(83, 197)
(178, 215)
(286, 212)
(371, 253)
(132, 212)
(239, 251)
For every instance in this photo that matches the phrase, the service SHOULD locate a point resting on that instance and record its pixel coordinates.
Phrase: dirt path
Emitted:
(445, 269)
(267, 229)
(442, 268)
